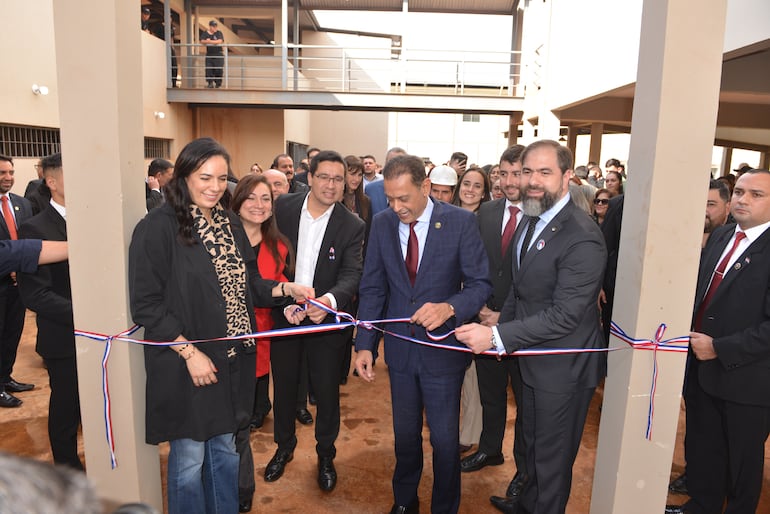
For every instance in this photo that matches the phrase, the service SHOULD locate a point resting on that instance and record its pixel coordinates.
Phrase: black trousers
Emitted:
(64, 411)
(11, 326)
(553, 427)
(725, 449)
(324, 358)
(215, 69)
(493, 376)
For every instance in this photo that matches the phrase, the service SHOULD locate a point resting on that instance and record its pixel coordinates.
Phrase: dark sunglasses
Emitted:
(601, 201)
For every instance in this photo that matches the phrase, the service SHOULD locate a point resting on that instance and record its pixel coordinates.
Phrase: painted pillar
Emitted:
(660, 246)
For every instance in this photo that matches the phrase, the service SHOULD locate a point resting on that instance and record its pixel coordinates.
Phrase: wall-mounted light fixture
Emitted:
(39, 90)
(159, 115)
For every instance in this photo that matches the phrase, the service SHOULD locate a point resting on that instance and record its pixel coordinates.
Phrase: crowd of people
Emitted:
(522, 254)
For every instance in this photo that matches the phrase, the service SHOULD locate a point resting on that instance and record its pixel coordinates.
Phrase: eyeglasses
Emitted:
(601, 201)
(336, 179)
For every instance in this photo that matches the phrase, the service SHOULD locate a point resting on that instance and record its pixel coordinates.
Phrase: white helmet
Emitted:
(443, 176)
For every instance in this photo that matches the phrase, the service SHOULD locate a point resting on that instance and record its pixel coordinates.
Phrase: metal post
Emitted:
(284, 43)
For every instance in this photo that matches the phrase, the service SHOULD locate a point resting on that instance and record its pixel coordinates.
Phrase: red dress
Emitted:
(269, 271)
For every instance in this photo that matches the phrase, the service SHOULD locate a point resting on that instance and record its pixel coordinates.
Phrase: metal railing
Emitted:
(361, 70)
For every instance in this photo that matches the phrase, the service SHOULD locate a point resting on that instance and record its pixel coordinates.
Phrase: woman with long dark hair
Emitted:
(472, 190)
(193, 276)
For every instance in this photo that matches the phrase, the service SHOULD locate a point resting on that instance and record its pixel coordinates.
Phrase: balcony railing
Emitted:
(355, 70)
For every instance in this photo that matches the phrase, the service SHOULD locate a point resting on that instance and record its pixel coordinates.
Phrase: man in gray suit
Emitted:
(557, 276)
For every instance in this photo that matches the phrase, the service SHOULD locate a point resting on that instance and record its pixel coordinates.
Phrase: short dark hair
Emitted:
(581, 171)
(563, 154)
(6, 158)
(51, 162)
(279, 156)
(369, 157)
(459, 157)
(311, 150)
(405, 165)
(724, 191)
(158, 166)
(612, 162)
(755, 171)
(326, 156)
(512, 154)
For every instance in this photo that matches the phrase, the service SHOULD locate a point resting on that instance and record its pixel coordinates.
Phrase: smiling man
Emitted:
(328, 239)
(424, 261)
(557, 275)
(727, 393)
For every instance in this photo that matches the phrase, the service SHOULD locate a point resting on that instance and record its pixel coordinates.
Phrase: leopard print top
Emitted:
(218, 240)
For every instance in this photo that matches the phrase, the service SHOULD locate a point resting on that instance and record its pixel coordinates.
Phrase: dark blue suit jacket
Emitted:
(454, 269)
(376, 193)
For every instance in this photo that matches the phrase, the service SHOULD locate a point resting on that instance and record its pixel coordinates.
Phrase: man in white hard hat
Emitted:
(443, 180)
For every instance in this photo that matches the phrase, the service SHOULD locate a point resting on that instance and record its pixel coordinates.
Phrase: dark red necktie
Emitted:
(510, 228)
(716, 279)
(412, 254)
(8, 215)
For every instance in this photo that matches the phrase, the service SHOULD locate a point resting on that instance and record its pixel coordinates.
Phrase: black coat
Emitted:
(174, 290)
(48, 292)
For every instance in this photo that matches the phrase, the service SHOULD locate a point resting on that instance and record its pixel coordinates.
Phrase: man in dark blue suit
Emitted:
(15, 210)
(425, 261)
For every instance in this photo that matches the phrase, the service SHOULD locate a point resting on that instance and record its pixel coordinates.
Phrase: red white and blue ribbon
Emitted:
(344, 320)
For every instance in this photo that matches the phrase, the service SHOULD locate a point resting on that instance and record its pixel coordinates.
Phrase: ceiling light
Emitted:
(39, 90)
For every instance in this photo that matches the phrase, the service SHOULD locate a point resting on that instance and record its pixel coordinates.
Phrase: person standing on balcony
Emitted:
(215, 60)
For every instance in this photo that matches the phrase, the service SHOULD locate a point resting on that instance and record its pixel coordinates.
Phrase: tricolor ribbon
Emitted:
(677, 344)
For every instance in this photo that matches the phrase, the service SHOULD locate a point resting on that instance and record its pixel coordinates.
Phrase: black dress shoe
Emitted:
(517, 485)
(244, 506)
(327, 475)
(412, 508)
(277, 464)
(464, 447)
(507, 505)
(17, 387)
(304, 417)
(679, 484)
(9, 400)
(257, 421)
(478, 460)
(677, 509)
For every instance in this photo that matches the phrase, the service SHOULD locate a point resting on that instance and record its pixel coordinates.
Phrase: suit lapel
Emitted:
(327, 252)
(547, 234)
(741, 264)
(434, 231)
(709, 264)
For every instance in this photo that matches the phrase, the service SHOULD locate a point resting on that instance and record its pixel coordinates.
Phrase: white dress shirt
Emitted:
(309, 238)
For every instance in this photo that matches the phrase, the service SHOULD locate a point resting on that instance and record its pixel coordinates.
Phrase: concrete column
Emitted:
(514, 120)
(572, 139)
(727, 158)
(659, 259)
(100, 103)
(764, 160)
(595, 147)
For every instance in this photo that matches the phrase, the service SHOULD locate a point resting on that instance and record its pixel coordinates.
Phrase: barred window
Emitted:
(157, 148)
(474, 118)
(26, 141)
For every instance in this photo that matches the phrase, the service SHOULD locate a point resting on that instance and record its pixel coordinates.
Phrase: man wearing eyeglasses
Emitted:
(328, 240)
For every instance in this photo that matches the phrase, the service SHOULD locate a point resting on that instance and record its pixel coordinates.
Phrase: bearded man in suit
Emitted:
(557, 276)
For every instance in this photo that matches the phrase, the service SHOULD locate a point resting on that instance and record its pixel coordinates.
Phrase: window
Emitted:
(25, 141)
(472, 118)
(156, 148)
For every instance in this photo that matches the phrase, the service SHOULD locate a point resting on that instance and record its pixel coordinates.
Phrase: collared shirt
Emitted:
(377, 178)
(10, 206)
(60, 209)
(544, 220)
(507, 214)
(309, 238)
(752, 234)
(420, 230)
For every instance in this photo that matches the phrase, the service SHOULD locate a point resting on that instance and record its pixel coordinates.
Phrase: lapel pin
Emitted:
(540, 244)
(553, 229)
(747, 260)
(331, 253)
(737, 266)
(15, 207)
(437, 225)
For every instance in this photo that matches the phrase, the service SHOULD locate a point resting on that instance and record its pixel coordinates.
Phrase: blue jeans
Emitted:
(203, 476)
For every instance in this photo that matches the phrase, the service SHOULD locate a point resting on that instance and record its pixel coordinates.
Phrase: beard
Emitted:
(537, 206)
